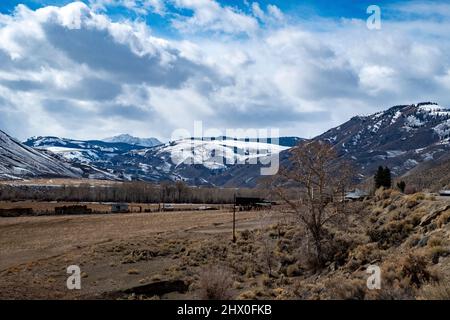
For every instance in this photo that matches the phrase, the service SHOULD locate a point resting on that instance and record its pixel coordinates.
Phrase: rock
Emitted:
(433, 215)
(332, 266)
(423, 242)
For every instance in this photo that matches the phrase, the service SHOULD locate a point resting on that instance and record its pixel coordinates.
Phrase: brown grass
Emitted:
(25, 238)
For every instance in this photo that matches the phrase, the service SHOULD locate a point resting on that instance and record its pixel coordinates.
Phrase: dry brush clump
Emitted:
(342, 288)
(436, 291)
(216, 284)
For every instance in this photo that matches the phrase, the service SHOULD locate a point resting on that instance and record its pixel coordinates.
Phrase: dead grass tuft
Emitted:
(216, 284)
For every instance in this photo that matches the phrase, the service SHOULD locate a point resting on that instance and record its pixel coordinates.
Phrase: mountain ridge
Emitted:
(403, 137)
(18, 160)
(400, 137)
(129, 139)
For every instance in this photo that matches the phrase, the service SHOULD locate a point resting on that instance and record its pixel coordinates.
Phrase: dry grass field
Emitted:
(24, 238)
(191, 255)
(35, 251)
(97, 207)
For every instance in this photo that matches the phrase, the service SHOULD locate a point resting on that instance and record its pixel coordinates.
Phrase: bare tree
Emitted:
(181, 189)
(321, 181)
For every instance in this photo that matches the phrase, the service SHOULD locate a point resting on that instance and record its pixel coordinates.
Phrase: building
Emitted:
(356, 194)
(249, 203)
(75, 209)
(120, 208)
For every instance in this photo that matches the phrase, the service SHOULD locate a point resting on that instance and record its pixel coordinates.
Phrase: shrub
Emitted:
(434, 242)
(216, 284)
(346, 289)
(437, 291)
(419, 196)
(391, 234)
(382, 194)
(414, 268)
(293, 271)
(266, 252)
(247, 295)
(133, 271)
(287, 259)
(366, 253)
(436, 252)
(245, 235)
(444, 218)
(411, 203)
(267, 282)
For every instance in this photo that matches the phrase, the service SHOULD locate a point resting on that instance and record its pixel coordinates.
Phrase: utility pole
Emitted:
(234, 219)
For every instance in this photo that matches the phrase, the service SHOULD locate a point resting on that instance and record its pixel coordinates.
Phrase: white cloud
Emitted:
(257, 11)
(275, 12)
(209, 15)
(141, 7)
(72, 71)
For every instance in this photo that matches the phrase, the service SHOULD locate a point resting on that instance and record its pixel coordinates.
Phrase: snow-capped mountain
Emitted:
(196, 161)
(93, 157)
(405, 138)
(401, 138)
(93, 152)
(18, 160)
(128, 139)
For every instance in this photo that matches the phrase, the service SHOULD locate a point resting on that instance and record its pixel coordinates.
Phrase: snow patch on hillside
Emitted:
(217, 154)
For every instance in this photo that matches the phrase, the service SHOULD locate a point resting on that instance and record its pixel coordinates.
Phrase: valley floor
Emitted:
(191, 255)
(35, 251)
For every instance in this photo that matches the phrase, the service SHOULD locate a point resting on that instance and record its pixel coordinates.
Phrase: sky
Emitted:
(97, 68)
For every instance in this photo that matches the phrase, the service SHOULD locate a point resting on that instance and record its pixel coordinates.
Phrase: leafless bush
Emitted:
(268, 254)
(216, 284)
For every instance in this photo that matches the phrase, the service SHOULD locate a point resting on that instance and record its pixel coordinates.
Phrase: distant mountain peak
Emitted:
(127, 138)
(400, 137)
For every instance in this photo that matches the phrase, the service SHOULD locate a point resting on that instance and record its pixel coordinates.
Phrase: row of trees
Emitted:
(137, 192)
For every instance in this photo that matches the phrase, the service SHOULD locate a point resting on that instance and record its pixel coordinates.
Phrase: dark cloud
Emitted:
(127, 111)
(268, 113)
(22, 85)
(93, 89)
(99, 50)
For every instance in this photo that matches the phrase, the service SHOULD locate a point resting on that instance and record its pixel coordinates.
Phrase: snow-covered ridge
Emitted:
(434, 109)
(86, 152)
(401, 137)
(217, 154)
(126, 138)
(18, 160)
